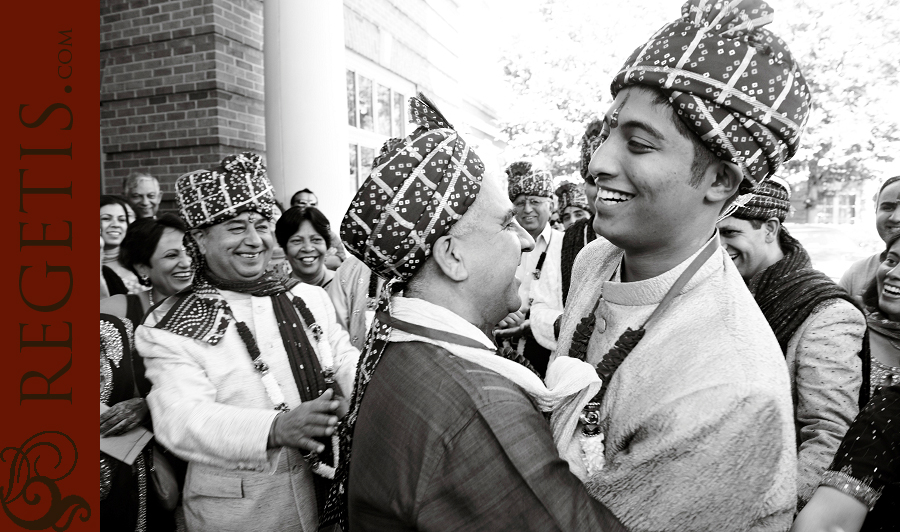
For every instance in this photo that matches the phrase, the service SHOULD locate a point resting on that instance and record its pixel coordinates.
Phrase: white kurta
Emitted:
(209, 406)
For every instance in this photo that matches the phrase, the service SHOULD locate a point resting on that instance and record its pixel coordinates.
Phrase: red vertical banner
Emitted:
(49, 273)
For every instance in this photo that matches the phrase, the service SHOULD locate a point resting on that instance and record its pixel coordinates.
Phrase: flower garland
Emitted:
(591, 445)
(273, 389)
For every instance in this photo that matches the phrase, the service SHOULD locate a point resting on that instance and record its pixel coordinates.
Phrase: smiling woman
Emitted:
(114, 220)
(305, 235)
(153, 252)
(881, 303)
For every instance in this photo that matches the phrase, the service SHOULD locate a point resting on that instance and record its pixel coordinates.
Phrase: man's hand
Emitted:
(123, 416)
(513, 319)
(312, 419)
(512, 326)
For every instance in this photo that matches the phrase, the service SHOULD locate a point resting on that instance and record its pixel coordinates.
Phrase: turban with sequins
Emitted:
(524, 179)
(572, 195)
(769, 199)
(732, 82)
(589, 142)
(238, 184)
(419, 187)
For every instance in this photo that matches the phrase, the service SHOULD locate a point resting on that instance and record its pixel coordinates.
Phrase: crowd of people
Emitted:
(649, 349)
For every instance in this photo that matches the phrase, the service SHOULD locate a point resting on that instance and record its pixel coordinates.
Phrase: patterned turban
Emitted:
(730, 81)
(572, 195)
(769, 199)
(208, 197)
(238, 184)
(589, 142)
(419, 187)
(523, 179)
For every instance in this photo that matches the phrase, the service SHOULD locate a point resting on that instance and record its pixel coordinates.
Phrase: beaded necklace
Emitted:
(273, 389)
(627, 341)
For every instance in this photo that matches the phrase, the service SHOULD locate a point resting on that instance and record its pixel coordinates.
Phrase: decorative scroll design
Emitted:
(35, 467)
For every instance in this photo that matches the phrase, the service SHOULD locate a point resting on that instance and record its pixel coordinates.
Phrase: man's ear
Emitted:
(726, 183)
(200, 237)
(773, 225)
(448, 256)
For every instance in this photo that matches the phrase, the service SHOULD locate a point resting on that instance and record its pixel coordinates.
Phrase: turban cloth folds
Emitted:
(524, 179)
(571, 195)
(732, 82)
(419, 187)
(769, 199)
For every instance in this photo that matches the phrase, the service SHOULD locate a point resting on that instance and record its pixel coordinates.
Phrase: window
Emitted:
(374, 107)
(376, 111)
(364, 97)
(354, 168)
(351, 98)
(360, 160)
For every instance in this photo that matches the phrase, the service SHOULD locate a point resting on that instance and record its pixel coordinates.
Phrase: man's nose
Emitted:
(601, 161)
(252, 237)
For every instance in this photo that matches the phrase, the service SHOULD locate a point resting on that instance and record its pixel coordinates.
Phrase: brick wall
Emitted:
(181, 87)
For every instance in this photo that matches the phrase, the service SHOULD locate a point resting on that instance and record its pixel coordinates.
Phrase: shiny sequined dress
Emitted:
(123, 488)
(867, 464)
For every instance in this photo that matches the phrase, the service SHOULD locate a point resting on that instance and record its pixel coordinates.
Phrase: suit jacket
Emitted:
(442, 443)
(210, 407)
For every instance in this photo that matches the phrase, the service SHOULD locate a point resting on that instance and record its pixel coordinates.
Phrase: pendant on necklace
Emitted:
(590, 419)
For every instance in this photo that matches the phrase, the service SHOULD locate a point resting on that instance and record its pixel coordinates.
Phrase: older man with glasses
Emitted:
(531, 192)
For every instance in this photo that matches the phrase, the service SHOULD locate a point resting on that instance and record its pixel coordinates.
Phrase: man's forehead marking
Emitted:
(614, 116)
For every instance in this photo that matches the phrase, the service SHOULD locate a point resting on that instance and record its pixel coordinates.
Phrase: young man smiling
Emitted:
(695, 411)
(887, 222)
(818, 327)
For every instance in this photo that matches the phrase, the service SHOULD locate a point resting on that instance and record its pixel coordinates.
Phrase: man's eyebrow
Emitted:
(646, 127)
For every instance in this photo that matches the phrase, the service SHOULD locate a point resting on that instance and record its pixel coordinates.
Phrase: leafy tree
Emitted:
(848, 53)
(560, 55)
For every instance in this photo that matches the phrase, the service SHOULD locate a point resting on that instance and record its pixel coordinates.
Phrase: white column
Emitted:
(306, 102)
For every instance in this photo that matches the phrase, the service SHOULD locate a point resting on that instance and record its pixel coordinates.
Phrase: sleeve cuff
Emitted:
(858, 489)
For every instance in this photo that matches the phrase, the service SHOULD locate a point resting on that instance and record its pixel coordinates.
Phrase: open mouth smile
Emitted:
(892, 291)
(612, 197)
(250, 256)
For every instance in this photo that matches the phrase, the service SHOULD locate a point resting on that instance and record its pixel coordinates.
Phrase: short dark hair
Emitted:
(107, 199)
(290, 222)
(870, 296)
(888, 181)
(303, 191)
(703, 157)
(142, 238)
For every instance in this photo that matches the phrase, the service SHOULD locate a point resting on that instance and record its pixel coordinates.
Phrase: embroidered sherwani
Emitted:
(698, 420)
(210, 407)
(442, 443)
